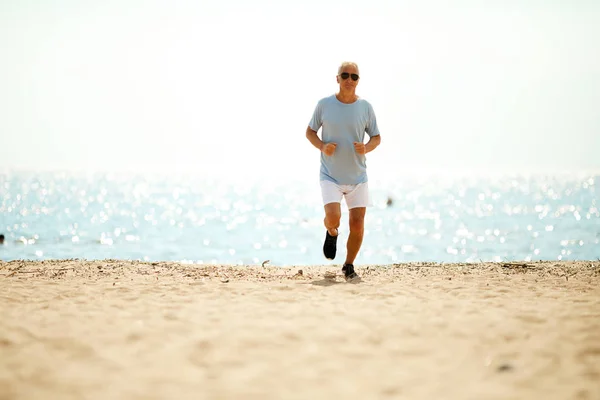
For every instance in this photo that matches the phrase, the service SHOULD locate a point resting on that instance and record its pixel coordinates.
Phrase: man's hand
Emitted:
(328, 148)
(360, 148)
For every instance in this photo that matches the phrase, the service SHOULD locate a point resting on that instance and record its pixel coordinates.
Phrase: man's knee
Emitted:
(333, 213)
(333, 217)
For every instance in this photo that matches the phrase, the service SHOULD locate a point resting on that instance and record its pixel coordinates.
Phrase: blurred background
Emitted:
(175, 130)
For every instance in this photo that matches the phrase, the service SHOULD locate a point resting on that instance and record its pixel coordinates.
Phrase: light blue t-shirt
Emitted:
(344, 124)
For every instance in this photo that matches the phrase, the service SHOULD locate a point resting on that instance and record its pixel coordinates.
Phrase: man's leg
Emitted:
(333, 214)
(357, 230)
(332, 196)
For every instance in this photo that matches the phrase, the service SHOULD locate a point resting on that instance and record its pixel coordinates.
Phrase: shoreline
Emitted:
(79, 267)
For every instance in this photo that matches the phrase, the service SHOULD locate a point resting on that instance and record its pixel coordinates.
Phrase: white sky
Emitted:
(231, 85)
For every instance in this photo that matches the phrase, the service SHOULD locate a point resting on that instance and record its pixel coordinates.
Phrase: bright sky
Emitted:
(231, 84)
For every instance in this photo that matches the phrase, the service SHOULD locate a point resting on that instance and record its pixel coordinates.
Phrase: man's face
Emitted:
(349, 72)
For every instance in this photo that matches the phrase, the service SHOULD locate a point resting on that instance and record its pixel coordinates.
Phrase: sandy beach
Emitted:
(78, 329)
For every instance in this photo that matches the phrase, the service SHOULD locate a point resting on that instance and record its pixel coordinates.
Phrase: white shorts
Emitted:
(355, 195)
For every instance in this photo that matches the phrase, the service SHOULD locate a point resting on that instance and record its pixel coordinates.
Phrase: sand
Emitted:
(114, 329)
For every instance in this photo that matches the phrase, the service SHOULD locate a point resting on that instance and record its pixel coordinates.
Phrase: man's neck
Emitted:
(346, 97)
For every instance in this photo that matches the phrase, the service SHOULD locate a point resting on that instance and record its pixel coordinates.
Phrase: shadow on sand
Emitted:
(326, 282)
(333, 281)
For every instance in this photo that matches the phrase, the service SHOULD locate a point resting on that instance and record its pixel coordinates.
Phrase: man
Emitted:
(344, 119)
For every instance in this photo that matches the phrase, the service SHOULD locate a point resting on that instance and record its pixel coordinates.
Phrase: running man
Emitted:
(344, 118)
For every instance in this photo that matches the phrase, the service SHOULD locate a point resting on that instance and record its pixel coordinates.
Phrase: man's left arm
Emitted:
(364, 148)
(373, 131)
(372, 144)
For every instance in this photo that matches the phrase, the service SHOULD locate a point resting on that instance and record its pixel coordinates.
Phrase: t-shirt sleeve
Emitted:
(317, 119)
(372, 129)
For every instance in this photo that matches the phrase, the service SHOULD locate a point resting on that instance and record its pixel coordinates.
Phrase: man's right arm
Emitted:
(327, 148)
(314, 138)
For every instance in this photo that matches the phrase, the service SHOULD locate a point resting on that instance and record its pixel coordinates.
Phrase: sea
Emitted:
(199, 219)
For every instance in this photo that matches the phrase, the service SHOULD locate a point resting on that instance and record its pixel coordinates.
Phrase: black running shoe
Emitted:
(349, 274)
(330, 246)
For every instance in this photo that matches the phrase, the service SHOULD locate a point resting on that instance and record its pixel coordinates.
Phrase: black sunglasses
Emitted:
(346, 75)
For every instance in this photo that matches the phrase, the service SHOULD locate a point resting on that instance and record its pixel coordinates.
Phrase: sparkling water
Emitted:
(198, 219)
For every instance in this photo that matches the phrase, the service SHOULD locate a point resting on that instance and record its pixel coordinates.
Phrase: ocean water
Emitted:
(196, 219)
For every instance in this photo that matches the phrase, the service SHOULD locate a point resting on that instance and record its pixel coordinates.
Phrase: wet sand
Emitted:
(115, 329)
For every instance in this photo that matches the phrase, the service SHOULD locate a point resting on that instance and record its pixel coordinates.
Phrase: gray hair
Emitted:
(347, 63)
